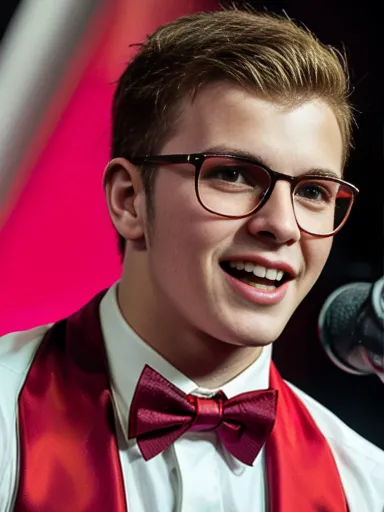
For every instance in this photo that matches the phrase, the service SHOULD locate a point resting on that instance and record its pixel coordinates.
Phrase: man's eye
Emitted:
(313, 192)
(232, 175)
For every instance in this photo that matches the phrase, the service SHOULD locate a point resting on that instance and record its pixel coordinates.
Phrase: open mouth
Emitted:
(259, 277)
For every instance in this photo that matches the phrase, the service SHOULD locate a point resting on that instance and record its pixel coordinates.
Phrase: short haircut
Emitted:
(269, 55)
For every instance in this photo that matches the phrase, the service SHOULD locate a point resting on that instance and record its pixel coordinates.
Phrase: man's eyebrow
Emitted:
(316, 171)
(225, 150)
(327, 173)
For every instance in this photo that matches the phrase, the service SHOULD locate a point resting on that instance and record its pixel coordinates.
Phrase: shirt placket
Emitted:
(198, 476)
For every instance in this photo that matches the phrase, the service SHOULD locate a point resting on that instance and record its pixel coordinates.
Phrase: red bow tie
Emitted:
(161, 413)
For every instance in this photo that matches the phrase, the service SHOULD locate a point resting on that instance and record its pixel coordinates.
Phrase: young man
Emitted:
(230, 134)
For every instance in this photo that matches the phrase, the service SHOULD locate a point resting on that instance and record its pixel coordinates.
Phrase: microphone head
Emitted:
(338, 322)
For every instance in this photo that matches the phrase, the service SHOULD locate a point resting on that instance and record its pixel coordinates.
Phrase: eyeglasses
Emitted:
(236, 187)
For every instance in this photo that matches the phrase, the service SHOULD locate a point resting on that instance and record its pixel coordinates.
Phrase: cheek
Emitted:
(174, 241)
(184, 253)
(182, 224)
(184, 241)
(316, 253)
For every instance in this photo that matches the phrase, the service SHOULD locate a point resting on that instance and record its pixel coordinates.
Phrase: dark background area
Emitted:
(357, 253)
(358, 249)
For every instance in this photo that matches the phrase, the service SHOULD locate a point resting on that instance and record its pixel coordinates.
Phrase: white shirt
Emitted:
(195, 474)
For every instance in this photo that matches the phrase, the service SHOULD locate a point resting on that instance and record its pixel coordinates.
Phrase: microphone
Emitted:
(351, 328)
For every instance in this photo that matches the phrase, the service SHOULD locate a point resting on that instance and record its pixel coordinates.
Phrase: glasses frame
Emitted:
(198, 159)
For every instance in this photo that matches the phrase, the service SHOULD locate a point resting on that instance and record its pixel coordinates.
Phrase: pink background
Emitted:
(57, 246)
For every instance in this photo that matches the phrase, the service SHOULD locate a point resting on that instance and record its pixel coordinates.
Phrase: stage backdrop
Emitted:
(57, 245)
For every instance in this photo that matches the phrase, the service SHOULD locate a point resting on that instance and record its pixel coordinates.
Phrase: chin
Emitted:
(260, 340)
(256, 335)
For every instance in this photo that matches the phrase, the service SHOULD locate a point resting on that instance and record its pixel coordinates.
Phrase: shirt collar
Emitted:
(127, 355)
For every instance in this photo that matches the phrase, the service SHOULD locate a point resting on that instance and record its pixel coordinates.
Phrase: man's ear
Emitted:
(124, 193)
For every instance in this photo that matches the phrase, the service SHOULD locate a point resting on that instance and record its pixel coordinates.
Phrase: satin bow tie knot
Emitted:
(161, 413)
(208, 412)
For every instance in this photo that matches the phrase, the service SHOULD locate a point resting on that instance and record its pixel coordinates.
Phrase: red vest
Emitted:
(69, 460)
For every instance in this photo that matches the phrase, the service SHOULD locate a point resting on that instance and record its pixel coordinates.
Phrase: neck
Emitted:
(208, 361)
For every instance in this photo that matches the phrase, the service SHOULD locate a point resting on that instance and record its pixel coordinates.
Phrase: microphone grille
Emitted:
(342, 308)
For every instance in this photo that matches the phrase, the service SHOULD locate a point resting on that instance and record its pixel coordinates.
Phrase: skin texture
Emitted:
(173, 291)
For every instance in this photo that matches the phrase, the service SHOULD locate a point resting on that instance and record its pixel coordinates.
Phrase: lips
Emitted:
(258, 280)
(255, 274)
(258, 264)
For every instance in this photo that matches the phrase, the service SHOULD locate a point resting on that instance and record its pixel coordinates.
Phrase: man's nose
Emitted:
(276, 219)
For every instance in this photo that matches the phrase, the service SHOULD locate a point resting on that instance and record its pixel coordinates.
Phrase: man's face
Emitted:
(188, 244)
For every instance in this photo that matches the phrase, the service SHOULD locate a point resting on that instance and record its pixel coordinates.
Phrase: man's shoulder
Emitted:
(17, 349)
(337, 432)
(360, 462)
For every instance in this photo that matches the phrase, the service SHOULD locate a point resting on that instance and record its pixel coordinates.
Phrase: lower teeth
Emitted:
(260, 286)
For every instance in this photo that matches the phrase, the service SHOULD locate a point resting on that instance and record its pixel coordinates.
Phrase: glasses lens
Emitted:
(231, 187)
(321, 205)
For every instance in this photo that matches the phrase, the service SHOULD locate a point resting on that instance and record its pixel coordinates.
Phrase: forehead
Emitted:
(290, 140)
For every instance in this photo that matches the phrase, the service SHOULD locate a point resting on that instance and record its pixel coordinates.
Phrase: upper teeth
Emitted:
(269, 273)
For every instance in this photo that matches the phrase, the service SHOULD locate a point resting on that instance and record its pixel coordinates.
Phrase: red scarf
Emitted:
(69, 458)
